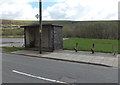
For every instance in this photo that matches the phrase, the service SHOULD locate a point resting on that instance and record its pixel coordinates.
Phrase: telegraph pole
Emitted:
(40, 26)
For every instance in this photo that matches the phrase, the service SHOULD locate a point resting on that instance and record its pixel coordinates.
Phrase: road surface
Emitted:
(17, 42)
(9, 42)
(24, 69)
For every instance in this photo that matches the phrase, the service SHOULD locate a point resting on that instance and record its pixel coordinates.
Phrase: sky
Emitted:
(77, 10)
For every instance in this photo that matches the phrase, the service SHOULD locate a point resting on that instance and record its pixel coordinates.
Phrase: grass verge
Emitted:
(101, 45)
(11, 49)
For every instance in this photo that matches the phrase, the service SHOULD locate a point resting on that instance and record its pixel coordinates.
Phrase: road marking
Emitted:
(38, 77)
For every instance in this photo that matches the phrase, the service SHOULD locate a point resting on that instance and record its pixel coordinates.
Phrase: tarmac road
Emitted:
(9, 42)
(17, 42)
(24, 69)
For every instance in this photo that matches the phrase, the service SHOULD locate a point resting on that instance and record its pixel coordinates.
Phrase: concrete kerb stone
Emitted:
(65, 60)
(70, 59)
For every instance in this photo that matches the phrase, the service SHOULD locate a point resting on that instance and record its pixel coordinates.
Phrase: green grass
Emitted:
(101, 45)
(11, 49)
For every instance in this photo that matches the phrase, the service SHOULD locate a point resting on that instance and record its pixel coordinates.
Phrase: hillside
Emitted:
(82, 29)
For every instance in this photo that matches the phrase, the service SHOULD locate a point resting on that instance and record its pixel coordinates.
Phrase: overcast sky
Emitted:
(79, 10)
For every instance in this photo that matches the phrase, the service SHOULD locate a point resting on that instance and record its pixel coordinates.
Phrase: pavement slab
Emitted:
(97, 59)
(78, 57)
(86, 58)
(115, 63)
(108, 61)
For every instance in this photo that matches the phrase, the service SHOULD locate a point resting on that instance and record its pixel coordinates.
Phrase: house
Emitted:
(52, 38)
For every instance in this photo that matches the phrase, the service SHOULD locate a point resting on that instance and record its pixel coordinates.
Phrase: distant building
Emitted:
(52, 38)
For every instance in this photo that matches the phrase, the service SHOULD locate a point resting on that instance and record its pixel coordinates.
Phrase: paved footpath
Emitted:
(104, 59)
